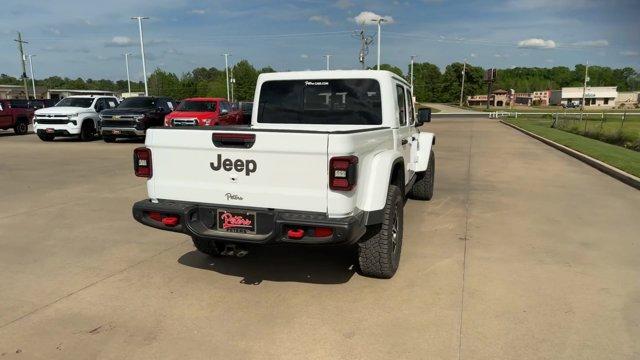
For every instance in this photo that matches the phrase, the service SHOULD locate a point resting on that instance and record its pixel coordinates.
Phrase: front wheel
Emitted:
(206, 246)
(87, 131)
(379, 252)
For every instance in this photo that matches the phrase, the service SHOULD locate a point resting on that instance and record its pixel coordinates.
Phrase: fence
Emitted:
(619, 128)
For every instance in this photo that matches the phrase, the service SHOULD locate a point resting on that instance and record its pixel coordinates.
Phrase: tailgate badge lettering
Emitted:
(231, 196)
(239, 165)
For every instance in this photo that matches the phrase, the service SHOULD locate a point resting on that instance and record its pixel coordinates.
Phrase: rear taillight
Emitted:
(343, 172)
(142, 162)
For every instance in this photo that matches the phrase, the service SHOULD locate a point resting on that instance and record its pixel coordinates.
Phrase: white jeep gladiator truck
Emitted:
(72, 116)
(329, 158)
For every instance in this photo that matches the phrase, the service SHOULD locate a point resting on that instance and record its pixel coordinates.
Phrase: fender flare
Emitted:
(374, 186)
(425, 143)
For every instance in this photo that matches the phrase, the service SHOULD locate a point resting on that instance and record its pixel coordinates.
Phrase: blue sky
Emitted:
(87, 38)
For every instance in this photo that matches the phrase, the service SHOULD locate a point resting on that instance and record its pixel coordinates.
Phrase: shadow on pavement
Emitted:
(281, 264)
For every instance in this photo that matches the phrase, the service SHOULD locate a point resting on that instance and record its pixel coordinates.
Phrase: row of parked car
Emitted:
(88, 116)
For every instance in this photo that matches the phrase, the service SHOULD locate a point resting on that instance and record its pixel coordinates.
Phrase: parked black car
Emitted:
(134, 116)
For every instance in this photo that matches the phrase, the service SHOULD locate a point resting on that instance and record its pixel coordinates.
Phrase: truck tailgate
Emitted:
(284, 170)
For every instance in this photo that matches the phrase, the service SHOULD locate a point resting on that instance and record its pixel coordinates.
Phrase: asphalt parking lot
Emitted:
(524, 253)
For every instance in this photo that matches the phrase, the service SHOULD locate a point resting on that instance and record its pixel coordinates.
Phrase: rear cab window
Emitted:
(330, 102)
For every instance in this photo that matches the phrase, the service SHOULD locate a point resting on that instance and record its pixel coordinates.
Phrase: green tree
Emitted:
(426, 82)
(246, 77)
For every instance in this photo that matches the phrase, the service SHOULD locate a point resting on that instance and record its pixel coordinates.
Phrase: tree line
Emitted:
(430, 83)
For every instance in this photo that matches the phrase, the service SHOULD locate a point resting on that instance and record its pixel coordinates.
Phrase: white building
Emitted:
(594, 96)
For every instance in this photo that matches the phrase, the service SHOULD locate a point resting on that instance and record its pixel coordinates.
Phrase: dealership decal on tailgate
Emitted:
(237, 221)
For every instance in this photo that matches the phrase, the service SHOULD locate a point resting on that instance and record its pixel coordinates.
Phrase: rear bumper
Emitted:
(199, 220)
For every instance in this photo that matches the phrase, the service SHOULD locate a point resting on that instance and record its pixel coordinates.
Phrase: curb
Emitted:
(615, 173)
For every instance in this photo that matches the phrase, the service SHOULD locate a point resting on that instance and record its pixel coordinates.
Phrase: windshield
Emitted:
(203, 106)
(138, 102)
(76, 102)
(335, 102)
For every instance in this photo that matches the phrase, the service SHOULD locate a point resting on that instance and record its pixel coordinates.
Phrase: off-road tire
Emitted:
(87, 131)
(108, 138)
(22, 127)
(422, 189)
(46, 137)
(379, 251)
(206, 246)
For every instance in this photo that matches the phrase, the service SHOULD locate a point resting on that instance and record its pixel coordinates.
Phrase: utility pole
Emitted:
(464, 70)
(22, 58)
(226, 69)
(413, 57)
(33, 81)
(365, 41)
(379, 21)
(584, 86)
(144, 62)
(233, 81)
(126, 62)
(328, 56)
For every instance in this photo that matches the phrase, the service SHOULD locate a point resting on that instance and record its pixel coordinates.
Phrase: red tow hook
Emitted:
(170, 220)
(295, 233)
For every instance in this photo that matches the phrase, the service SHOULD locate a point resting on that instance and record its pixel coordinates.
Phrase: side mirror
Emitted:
(424, 116)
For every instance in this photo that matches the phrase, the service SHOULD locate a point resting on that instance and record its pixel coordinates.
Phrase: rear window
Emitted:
(331, 102)
(204, 106)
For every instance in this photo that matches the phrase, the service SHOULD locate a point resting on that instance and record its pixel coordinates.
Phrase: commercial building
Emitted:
(595, 96)
(498, 98)
(17, 92)
(629, 99)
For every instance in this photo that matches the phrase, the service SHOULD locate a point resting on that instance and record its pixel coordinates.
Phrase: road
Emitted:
(524, 253)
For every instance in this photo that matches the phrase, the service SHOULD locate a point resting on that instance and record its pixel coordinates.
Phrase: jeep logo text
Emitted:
(248, 166)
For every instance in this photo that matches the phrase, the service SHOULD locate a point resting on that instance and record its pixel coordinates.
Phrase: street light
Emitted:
(33, 81)
(126, 61)
(464, 70)
(379, 21)
(226, 69)
(144, 62)
(328, 56)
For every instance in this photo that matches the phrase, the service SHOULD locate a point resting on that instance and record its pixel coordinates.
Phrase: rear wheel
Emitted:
(46, 137)
(379, 253)
(22, 127)
(87, 131)
(422, 189)
(206, 246)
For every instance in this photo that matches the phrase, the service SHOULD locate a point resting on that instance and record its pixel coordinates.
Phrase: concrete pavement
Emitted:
(523, 253)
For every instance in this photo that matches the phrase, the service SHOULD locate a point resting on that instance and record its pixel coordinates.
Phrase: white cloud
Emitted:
(120, 41)
(321, 19)
(473, 55)
(537, 44)
(591, 43)
(304, 56)
(368, 17)
(198, 11)
(54, 31)
(629, 53)
(549, 4)
(344, 4)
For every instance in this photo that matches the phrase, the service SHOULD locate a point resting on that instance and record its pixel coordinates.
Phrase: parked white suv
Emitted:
(72, 116)
(329, 158)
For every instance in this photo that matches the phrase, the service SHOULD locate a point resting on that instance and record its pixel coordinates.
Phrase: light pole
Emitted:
(33, 81)
(144, 62)
(226, 69)
(328, 56)
(379, 21)
(126, 62)
(584, 86)
(464, 70)
(412, 59)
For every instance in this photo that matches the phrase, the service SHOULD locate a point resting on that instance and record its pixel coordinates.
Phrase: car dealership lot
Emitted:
(524, 252)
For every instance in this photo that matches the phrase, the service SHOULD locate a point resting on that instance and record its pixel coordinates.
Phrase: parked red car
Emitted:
(16, 114)
(204, 112)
